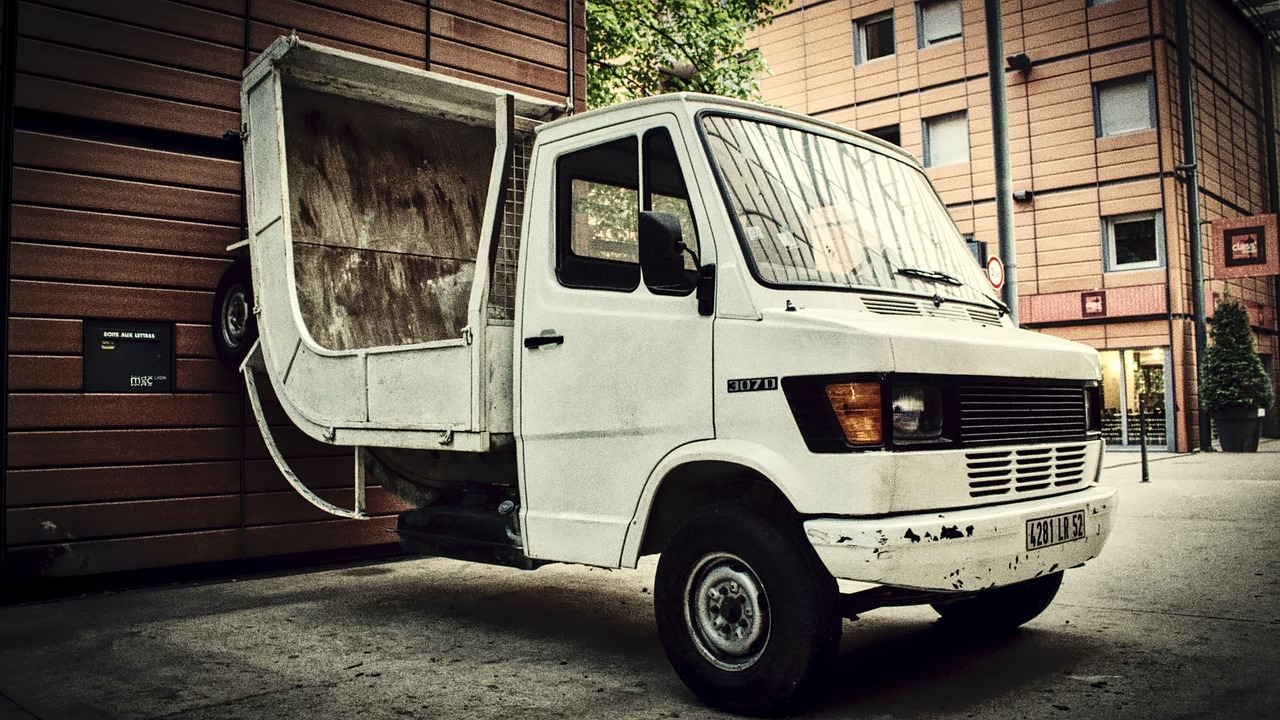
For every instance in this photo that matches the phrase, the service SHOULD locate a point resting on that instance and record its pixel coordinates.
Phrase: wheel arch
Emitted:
(692, 478)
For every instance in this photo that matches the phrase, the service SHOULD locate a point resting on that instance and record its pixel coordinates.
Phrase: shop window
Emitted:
(1136, 397)
(873, 38)
(938, 22)
(946, 139)
(1123, 106)
(1133, 242)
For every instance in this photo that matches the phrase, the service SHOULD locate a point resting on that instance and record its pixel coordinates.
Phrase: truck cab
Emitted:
(744, 339)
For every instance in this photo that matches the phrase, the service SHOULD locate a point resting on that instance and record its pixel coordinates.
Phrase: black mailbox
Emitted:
(128, 357)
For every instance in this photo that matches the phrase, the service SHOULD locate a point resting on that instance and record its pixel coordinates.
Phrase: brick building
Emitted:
(123, 187)
(1096, 141)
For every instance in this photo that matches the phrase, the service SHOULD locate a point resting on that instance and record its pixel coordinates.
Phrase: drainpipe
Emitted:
(1273, 179)
(1000, 138)
(569, 104)
(1193, 208)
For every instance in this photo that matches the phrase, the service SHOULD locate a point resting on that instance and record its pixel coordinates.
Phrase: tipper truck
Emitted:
(746, 340)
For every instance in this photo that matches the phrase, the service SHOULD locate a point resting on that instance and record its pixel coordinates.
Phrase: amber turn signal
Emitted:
(857, 407)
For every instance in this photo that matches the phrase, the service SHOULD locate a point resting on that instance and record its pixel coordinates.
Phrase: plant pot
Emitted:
(1238, 429)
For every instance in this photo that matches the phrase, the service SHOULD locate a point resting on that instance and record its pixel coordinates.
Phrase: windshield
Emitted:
(815, 210)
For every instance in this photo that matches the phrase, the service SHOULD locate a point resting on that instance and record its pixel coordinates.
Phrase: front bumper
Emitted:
(960, 550)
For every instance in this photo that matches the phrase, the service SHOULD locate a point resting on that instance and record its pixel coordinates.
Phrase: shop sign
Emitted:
(1245, 247)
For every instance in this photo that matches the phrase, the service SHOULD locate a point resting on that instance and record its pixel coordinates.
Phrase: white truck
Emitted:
(745, 339)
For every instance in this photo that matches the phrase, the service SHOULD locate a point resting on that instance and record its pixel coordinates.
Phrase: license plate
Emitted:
(1055, 530)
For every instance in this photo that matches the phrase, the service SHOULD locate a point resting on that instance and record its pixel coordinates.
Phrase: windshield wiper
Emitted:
(930, 275)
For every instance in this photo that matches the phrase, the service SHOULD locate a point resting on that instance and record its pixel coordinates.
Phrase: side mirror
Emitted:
(662, 255)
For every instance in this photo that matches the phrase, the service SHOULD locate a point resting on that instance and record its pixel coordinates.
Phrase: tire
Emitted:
(1003, 608)
(235, 328)
(746, 612)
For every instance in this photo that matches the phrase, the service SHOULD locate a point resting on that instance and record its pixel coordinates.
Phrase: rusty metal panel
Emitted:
(71, 448)
(56, 152)
(116, 106)
(65, 523)
(45, 411)
(289, 507)
(95, 228)
(348, 28)
(352, 299)
(312, 536)
(386, 208)
(121, 482)
(158, 46)
(120, 554)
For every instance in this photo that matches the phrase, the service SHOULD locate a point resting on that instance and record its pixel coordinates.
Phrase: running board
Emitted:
(254, 360)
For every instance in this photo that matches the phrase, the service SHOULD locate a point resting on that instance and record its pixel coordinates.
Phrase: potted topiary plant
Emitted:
(1233, 384)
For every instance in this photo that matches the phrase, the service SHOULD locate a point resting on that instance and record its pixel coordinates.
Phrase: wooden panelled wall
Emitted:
(1076, 178)
(126, 192)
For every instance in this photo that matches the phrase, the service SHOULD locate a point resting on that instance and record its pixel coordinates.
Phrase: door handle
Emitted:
(538, 341)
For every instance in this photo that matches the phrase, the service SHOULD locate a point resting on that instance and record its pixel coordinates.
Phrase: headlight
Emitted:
(917, 413)
(857, 408)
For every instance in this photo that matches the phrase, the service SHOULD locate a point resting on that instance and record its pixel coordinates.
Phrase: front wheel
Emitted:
(746, 612)
(1002, 608)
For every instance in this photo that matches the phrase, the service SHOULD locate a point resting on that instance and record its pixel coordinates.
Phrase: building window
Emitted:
(873, 38)
(1133, 241)
(1123, 106)
(937, 22)
(888, 133)
(946, 139)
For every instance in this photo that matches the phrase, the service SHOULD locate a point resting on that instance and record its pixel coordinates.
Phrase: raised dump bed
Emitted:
(384, 212)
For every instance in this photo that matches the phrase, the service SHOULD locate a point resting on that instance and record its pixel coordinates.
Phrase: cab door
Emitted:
(612, 374)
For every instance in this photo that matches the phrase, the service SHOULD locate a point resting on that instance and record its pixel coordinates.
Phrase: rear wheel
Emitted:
(1002, 608)
(234, 327)
(746, 612)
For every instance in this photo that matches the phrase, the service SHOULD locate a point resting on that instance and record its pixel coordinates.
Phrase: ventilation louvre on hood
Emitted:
(909, 307)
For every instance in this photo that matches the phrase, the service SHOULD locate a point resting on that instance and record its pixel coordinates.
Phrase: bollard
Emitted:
(1142, 439)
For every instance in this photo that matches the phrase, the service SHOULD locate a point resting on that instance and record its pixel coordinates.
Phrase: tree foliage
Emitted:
(1233, 376)
(630, 41)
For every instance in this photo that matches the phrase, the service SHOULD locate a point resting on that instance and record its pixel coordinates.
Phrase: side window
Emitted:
(665, 190)
(1123, 106)
(599, 197)
(873, 38)
(1132, 241)
(938, 21)
(598, 193)
(946, 139)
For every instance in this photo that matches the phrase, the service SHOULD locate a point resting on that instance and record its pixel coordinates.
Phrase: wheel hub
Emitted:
(235, 318)
(727, 612)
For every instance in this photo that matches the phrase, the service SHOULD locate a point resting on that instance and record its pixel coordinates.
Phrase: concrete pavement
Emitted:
(1178, 618)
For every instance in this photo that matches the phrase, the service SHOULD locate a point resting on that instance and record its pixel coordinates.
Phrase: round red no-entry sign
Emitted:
(995, 272)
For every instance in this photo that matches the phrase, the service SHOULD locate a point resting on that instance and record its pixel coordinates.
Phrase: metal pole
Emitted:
(1142, 422)
(1193, 207)
(1000, 138)
(1273, 171)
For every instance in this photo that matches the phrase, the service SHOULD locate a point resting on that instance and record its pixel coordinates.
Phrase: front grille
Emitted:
(1032, 470)
(1020, 414)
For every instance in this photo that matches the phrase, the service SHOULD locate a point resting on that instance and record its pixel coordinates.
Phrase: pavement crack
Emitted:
(1170, 613)
(199, 710)
(17, 705)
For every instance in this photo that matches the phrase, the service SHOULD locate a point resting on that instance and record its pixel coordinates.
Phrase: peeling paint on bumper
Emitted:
(961, 550)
